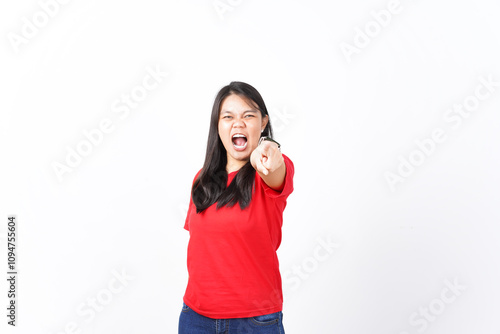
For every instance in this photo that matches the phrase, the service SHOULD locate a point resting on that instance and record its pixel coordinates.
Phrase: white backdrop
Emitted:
(388, 109)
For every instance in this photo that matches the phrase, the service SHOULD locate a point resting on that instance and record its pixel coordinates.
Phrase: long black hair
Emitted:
(210, 185)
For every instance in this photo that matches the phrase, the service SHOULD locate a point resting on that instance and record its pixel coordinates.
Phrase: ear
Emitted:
(264, 121)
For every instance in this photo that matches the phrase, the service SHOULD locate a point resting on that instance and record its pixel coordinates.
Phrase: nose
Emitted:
(238, 122)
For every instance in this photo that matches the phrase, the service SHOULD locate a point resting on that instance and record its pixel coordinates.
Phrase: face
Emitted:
(238, 116)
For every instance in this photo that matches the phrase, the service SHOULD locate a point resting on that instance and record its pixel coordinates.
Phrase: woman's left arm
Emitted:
(268, 161)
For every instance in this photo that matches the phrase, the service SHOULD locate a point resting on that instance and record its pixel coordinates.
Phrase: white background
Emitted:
(345, 121)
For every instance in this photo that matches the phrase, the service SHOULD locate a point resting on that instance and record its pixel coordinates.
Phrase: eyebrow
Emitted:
(230, 112)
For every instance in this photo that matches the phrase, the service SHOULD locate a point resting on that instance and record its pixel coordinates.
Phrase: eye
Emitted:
(226, 116)
(249, 116)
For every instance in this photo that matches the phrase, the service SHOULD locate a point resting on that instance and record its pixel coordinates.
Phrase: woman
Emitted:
(234, 281)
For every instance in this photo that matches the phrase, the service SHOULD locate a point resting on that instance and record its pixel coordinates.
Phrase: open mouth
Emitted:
(239, 141)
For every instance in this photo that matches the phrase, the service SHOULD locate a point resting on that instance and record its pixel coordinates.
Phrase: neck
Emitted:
(234, 165)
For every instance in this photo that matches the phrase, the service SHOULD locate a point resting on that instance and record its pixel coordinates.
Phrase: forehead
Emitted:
(237, 104)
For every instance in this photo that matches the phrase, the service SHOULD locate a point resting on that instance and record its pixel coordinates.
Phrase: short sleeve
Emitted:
(191, 205)
(288, 184)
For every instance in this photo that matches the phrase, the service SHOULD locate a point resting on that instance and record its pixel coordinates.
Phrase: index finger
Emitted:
(261, 167)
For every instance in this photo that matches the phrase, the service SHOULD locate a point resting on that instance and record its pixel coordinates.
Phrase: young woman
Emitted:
(234, 221)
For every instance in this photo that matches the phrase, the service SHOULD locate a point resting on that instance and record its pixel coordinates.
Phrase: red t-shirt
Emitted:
(231, 258)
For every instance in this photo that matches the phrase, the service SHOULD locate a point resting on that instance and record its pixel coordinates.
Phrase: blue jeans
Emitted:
(191, 322)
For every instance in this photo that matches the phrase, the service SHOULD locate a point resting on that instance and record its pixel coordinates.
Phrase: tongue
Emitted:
(239, 141)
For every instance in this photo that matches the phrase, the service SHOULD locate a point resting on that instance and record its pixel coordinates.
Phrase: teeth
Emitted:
(238, 135)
